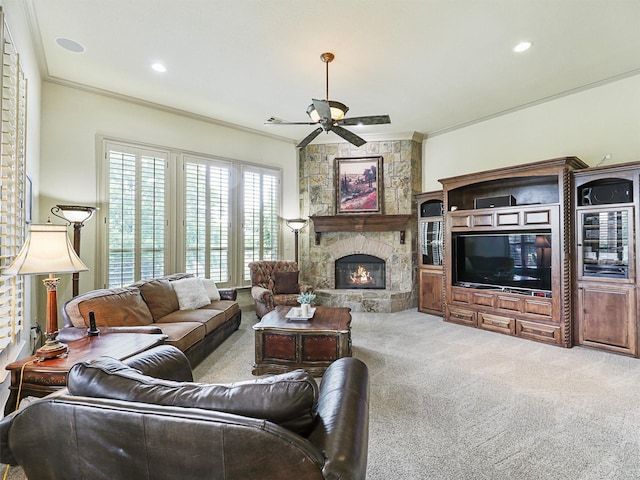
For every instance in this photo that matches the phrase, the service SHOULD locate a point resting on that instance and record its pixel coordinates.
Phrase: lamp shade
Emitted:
(74, 213)
(296, 223)
(47, 250)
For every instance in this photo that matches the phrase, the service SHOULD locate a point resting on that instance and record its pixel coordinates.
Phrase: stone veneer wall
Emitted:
(402, 175)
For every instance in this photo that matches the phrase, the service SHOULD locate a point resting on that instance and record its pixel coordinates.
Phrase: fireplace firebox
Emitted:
(360, 271)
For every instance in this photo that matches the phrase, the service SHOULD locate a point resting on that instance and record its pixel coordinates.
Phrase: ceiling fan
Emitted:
(329, 115)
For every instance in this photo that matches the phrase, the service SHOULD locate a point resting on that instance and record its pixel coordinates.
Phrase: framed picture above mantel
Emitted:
(359, 184)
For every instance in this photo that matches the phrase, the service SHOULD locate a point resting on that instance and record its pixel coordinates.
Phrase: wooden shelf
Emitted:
(360, 223)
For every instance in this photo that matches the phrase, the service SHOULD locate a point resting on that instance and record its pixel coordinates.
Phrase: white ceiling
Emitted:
(432, 65)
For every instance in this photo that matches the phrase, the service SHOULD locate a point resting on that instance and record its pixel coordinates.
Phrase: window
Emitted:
(136, 214)
(260, 210)
(13, 194)
(206, 223)
(170, 211)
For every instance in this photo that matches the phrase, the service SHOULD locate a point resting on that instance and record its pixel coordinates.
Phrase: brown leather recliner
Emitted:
(166, 427)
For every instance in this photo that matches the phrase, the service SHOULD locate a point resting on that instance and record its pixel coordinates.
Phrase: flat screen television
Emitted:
(513, 261)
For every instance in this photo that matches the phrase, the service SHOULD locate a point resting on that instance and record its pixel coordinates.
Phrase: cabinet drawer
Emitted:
(460, 296)
(539, 332)
(460, 315)
(538, 307)
(496, 323)
(484, 299)
(509, 303)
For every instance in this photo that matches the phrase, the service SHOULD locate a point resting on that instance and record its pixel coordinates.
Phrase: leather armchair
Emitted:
(69, 436)
(264, 285)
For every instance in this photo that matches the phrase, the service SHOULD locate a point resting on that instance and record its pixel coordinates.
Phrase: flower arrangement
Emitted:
(306, 298)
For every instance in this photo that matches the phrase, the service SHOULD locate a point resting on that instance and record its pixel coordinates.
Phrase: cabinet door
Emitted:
(430, 285)
(605, 245)
(606, 318)
(430, 241)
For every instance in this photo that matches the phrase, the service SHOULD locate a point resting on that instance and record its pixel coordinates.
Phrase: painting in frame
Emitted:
(358, 185)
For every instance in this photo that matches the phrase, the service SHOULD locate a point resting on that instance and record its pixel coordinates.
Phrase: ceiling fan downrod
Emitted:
(327, 58)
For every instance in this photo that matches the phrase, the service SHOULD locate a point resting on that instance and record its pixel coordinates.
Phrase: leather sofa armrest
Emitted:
(69, 334)
(165, 361)
(342, 430)
(228, 294)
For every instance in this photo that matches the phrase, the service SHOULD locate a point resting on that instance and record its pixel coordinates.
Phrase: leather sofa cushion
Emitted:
(117, 307)
(160, 297)
(210, 318)
(183, 335)
(288, 399)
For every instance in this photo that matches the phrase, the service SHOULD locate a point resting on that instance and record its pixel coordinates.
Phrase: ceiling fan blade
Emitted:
(279, 121)
(368, 120)
(348, 136)
(323, 108)
(307, 140)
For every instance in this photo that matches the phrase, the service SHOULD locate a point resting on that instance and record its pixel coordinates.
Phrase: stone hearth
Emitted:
(402, 175)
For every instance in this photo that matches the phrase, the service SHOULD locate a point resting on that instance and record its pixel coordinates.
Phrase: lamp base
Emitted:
(52, 349)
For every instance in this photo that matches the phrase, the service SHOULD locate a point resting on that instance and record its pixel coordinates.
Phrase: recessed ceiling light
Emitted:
(70, 45)
(522, 46)
(158, 67)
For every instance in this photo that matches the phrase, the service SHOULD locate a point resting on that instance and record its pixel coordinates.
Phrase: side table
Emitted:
(44, 377)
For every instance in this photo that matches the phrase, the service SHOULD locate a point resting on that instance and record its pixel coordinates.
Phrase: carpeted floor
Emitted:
(453, 402)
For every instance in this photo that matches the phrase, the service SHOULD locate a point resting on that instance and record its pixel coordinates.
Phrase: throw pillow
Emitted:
(288, 399)
(211, 288)
(286, 282)
(191, 293)
(160, 297)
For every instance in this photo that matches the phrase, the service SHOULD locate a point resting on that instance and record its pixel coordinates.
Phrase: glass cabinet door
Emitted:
(605, 243)
(431, 242)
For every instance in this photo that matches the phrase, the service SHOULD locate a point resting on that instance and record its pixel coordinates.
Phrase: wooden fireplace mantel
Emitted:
(369, 222)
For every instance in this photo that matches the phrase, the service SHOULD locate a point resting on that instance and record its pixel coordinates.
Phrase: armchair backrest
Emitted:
(263, 272)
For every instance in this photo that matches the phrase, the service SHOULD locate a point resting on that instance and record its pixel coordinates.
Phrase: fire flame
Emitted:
(361, 277)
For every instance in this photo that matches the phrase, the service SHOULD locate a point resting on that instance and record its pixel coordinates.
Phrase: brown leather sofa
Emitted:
(145, 418)
(152, 306)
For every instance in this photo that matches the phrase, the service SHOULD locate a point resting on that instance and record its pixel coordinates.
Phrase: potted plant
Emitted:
(305, 299)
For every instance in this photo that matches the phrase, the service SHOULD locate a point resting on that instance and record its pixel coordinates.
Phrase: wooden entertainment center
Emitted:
(526, 211)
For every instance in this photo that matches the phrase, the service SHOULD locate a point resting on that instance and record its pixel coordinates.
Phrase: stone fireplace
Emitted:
(393, 243)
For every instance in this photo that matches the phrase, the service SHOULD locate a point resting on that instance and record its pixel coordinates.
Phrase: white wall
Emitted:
(73, 120)
(587, 124)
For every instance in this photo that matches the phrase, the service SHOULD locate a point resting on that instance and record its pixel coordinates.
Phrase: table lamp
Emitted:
(48, 251)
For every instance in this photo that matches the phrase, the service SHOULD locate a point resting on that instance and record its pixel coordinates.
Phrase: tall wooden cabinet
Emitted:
(430, 252)
(606, 287)
(508, 249)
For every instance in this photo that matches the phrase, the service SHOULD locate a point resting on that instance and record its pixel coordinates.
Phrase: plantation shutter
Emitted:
(261, 200)
(206, 187)
(136, 214)
(13, 180)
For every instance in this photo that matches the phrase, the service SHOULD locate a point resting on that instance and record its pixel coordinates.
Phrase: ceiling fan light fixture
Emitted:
(338, 111)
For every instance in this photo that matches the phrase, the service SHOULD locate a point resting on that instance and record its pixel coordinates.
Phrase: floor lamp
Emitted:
(296, 224)
(75, 215)
(46, 251)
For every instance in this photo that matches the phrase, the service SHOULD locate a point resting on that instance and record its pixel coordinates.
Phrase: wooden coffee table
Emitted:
(283, 345)
(44, 377)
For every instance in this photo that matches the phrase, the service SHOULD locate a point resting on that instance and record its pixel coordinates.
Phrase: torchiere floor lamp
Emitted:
(296, 224)
(75, 215)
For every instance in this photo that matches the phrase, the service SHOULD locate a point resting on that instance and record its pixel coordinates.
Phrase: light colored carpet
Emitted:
(453, 402)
